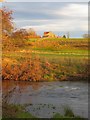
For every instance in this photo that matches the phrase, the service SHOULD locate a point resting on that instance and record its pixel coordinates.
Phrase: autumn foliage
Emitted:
(34, 69)
(7, 27)
(7, 24)
(28, 70)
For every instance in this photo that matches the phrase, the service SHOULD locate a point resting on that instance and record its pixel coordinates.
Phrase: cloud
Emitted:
(56, 17)
(59, 25)
(47, 0)
(74, 10)
(70, 17)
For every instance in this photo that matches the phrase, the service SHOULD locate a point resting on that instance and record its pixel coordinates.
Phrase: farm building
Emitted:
(49, 35)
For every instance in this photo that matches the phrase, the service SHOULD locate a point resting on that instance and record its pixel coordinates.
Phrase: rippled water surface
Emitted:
(44, 99)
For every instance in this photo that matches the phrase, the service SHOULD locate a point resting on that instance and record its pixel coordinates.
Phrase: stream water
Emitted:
(44, 99)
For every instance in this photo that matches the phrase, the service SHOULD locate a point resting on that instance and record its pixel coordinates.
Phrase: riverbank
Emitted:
(14, 111)
(19, 111)
(47, 68)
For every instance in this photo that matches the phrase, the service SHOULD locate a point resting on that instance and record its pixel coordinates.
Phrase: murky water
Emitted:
(44, 99)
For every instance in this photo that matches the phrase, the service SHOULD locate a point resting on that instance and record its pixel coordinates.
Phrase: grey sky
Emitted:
(47, 0)
(59, 17)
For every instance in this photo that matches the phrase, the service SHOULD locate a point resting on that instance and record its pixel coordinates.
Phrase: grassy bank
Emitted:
(14, 111)
(44, 68)
(18, 111)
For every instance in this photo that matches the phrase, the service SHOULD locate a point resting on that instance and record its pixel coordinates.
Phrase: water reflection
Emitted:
(9, 85)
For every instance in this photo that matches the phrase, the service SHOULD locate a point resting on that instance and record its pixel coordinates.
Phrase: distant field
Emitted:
(58, 44)
(51, 49)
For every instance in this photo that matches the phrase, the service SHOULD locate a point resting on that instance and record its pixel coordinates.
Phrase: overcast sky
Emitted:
(47, 0)
(59, 17)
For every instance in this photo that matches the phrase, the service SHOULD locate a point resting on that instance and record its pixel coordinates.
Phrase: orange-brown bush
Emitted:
(18, 37)
(6, 18)
(30, 69)
(34, 69)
